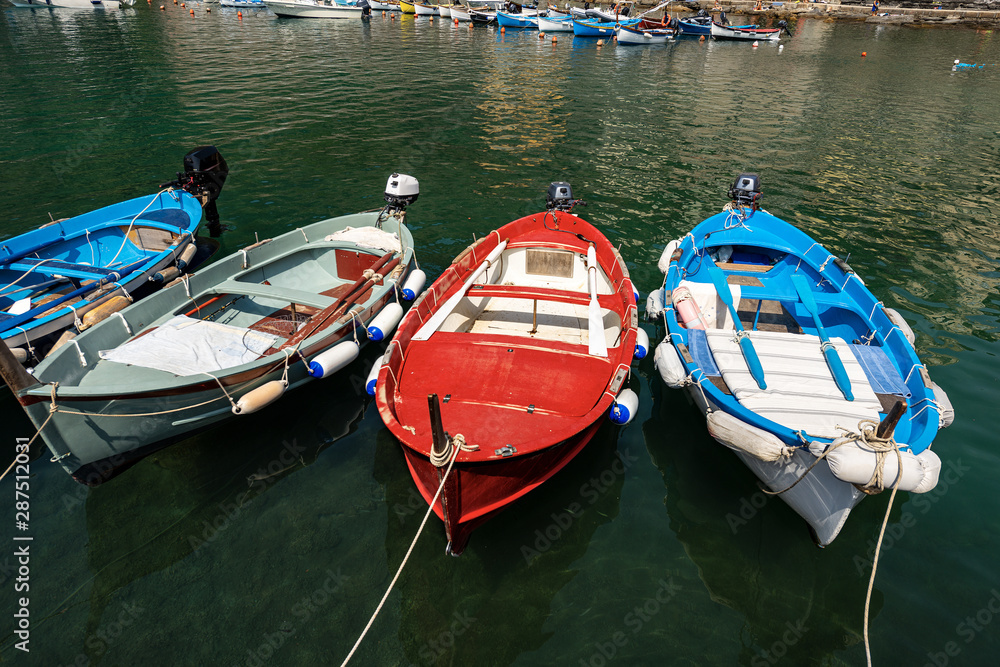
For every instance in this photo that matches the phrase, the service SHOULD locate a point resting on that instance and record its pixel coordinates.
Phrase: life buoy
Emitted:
(687, 309)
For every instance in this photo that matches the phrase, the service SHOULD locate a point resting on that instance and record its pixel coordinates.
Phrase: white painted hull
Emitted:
(67, 4)
(445, 12)
(633, 37)
(821, 499)
(307, 9)
(384, 6)
(548, 25)
(744, 34)
(425, 10)
(460, 14)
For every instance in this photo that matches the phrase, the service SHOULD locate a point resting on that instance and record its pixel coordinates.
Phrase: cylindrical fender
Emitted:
(382, 325)
(262, 396)
(414, 284)
(330, 361)
(372, 382)
(625, 406)
(641, 343)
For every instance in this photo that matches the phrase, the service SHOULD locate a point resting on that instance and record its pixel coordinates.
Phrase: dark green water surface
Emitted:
(271, 539)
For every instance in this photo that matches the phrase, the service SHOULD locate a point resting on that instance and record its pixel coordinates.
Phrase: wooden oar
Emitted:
(338, 307)
(746, 345)
(829, 351)
(18, 320)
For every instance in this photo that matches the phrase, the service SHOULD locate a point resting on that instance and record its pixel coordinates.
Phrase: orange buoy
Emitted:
(239, 15)
(502, 29)
(702, 38)
(600, 42)
(183, 5)
(175, 2)
(553, 39)
(431, 18)
(456, 21)
(541, 35)
(208, 10)
(864, 53)
(162, 8)
(192, 12)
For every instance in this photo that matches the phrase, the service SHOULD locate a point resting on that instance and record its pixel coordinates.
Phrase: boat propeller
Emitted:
(205, 172)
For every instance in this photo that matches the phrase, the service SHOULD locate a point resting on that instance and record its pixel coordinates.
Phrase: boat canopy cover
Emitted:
(186, 346)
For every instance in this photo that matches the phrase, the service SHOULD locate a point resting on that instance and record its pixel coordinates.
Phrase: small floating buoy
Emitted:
(175, 2)
(208, 10)
(780, 47)
(502, 29)
(755, 44)
(702, 38)
(431, 19)
(182, 4)
(414, 284)
(541, 35)
(372, 382)
(162, 8)
(600, 42)
(382, 325)
(864, 53)
(641, 344)
(192, 12)
(262, 396)
(553, 39)
(239, 15)
(329, 362)
(456, 21)
(624, 408)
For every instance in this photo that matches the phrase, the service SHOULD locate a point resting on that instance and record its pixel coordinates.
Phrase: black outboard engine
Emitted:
(702, 13)
(722, 18)
(560, 197)
(401, 191)
(366, 9)
(746, 191)
(783, 25)
(205, 172)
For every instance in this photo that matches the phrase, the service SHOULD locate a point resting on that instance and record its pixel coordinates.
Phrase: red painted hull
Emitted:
(528, 403)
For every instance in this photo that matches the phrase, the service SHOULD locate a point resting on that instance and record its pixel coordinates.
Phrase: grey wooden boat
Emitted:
(225, 341)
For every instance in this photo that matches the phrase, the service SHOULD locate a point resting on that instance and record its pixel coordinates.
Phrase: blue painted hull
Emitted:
(517, 22)
(695, 29)
(56, 263)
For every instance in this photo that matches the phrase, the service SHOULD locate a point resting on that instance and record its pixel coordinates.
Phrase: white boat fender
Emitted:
(624, 408)
(414, 284)
(854, 463)
(166, 275)
(669, 364)
(330, 361)
(899, 321)
(654, 305)
(641, 343)
(184, 260)
(635, 295)
(931, 463)
(663, 264)
(372, 380)
(740, 436)
(382, 325)
(262, 396)
(947, 413)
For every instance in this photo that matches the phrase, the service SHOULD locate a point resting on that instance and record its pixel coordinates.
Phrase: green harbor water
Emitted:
(271, 539)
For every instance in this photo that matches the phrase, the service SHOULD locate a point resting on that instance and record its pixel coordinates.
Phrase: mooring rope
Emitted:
(420, 529)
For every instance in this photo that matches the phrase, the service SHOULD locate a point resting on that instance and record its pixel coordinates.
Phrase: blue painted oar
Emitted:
(746, 345)
(17, 320)
(829, 351)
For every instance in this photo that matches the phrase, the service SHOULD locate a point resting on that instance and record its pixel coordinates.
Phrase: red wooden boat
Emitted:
(508, 363)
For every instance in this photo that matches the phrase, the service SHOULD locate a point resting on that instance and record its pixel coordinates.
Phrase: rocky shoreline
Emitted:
(983, 14)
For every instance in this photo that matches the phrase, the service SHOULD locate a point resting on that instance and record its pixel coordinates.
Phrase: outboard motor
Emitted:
(722, 18)
(783, 25)
(560, 197)
(366, 9)
(205, 172)
(401, 191)
(746, 191)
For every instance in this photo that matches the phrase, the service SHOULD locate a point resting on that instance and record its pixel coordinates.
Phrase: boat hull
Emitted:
(67, 4)
(517, 21)
(425, 10)
(632, 35)
(588, 28)
(560, 24)
(303, 9)
(744, 34)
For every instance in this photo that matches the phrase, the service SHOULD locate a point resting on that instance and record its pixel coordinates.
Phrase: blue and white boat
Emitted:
(517, 21)
(244, 4)
(592, 28)
(75, 271)
(801, 371)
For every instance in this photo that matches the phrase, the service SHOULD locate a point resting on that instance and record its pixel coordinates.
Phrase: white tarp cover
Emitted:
(367, 237)
(186, 346)
(801, 393)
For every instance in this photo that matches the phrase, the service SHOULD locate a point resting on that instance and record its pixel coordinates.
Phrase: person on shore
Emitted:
(874, 7)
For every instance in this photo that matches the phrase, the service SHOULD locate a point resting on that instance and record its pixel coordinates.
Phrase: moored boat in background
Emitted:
(747, 33)
(314, 9)
(801, 371)
(645, 32)
(517, 352)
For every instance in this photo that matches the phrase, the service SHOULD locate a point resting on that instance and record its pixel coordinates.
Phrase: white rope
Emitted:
(83, 359)
(877, 304)
(23, 275)
(27, 341)
(125, 322)
(132, 223)
(76, 318)
(913, 368)
(430, 508)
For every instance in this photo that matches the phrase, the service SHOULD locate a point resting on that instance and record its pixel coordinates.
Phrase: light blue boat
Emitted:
(70, 272)
(800, 369)
(517, 21)
(591, 28)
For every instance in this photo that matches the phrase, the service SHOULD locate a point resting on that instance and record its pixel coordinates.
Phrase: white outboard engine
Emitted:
(401, 191)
